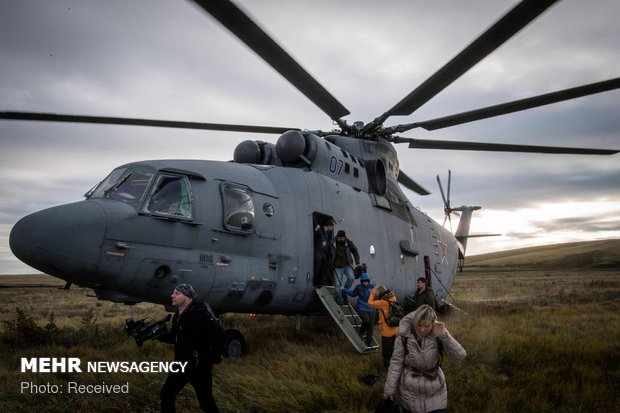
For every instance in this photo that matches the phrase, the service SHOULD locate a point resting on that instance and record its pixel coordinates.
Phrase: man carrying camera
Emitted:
(198, 339)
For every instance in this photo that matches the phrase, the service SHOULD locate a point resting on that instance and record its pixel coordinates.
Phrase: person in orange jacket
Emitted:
(379, 299)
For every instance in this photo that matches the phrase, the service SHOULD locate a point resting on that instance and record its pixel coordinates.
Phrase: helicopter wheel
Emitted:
(235, 344)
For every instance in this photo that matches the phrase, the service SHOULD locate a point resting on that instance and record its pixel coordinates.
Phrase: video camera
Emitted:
(143, 331)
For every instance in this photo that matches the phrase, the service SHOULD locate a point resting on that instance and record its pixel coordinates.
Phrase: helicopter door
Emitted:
(427, 270)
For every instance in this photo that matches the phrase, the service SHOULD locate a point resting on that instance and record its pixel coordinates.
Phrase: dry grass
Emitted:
(540, 338)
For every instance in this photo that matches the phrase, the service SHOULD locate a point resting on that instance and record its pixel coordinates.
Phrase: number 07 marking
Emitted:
(336, 165)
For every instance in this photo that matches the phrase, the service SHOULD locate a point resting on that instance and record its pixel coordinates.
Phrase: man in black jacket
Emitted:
(198, 339)
(423, 295)
(343, 255)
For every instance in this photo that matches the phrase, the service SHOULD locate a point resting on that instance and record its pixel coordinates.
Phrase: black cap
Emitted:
(187, 290)
(341, 233)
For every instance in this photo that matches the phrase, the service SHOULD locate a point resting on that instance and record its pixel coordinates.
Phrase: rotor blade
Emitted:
(481, 235)
(518, 105)
(500, 147)
(235, 20)
(449, 179)
(409, 183)
(511, 23)
(445, 202)
(53, 117)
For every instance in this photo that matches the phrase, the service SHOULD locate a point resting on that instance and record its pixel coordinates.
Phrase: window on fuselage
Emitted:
(238, 208)
(126, 184)
(170, 197)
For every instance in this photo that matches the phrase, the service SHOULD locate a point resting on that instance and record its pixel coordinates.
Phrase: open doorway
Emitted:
(323, 234)
(427, 270)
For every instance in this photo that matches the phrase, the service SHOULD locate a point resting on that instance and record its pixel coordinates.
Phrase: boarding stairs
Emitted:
(347, 319)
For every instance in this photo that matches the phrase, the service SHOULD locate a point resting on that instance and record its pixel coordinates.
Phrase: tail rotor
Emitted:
(447, 209)
(462, 231)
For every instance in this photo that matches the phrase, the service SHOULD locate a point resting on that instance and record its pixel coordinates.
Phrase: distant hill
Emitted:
(603, 254)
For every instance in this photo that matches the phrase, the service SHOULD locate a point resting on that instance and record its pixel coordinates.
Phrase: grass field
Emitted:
(541, 327)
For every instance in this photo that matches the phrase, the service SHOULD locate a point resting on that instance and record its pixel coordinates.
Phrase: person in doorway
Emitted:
(365, 312)
(343, 256)
(415, 377)
(322, 240)
(423, 295)
(198, 340)
(380, 299)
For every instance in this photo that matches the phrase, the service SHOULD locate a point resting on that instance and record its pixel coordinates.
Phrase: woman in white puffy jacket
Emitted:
(415, 379)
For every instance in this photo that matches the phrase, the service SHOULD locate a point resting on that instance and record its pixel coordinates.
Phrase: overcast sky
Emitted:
(169, 60)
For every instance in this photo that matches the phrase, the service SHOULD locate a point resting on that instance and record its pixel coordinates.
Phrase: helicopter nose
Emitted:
(62, 241)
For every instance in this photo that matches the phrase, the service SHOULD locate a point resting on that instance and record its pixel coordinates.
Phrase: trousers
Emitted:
(340, 274)
(202, 382)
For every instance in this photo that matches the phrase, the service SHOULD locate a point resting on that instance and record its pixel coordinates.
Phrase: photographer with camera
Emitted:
(199, 340)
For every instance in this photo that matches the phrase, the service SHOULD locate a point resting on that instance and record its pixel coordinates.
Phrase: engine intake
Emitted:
(256, 152)
(296, 149)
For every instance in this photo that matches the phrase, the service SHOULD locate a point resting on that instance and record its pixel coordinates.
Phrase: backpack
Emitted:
(395, 314)
(217, 349)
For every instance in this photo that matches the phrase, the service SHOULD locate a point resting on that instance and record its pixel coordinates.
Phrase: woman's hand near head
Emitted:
(439, 328)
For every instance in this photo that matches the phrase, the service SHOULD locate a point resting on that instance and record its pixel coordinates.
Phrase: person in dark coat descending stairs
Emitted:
(343, 255)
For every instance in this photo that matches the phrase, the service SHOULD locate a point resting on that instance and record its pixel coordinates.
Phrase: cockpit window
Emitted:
(238, 208)
(124, 184)
(171, 196)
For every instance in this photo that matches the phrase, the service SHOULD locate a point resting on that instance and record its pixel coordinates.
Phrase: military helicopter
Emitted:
(242, 232)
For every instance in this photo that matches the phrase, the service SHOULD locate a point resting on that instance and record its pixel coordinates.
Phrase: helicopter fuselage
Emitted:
(241, 233)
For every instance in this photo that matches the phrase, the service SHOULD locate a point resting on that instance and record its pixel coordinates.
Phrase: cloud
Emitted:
(586, 224)
(170, 60)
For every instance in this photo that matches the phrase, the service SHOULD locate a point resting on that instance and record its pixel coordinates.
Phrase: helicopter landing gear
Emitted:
(235, 344)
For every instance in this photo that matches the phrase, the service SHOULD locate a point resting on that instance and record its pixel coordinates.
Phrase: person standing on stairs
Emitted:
(343, 255)
(365, 312)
